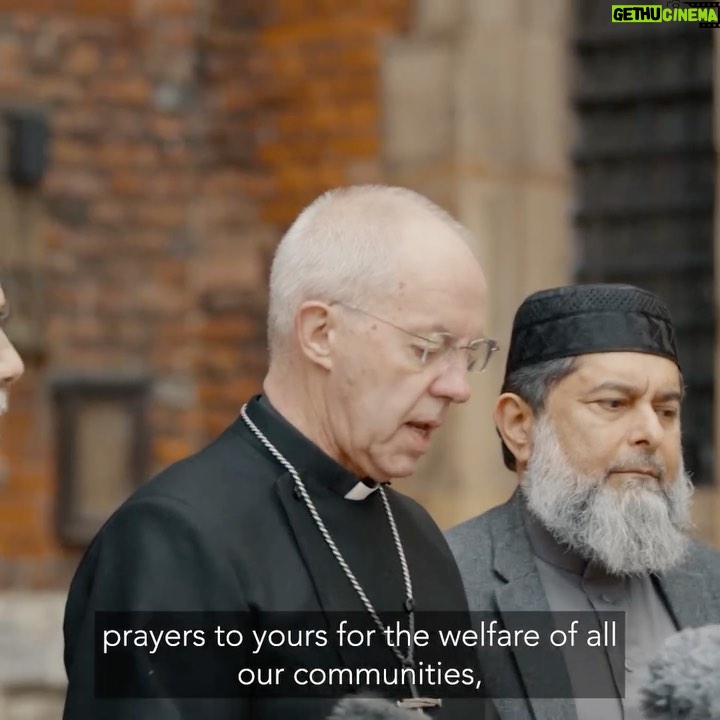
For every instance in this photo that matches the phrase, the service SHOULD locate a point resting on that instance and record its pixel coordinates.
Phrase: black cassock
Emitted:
(226, 530)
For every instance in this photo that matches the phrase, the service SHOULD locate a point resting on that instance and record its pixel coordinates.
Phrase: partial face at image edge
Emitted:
(11, 365)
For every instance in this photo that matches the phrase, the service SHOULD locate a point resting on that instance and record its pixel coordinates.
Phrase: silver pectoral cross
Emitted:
(419, 703)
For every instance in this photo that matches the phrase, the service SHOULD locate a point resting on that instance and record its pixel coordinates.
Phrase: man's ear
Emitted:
(313, 330)
(514, 420)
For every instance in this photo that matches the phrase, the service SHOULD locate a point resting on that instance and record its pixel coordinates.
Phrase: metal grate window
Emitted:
(645, 178)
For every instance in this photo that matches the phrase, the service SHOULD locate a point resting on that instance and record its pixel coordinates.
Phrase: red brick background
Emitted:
(184, 141)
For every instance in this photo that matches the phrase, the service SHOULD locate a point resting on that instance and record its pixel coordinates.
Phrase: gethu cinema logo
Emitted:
(705, 12)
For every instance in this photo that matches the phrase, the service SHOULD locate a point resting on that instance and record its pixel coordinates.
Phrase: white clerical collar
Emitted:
(361, 491)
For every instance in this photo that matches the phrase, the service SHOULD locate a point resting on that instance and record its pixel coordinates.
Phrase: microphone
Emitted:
(372, 708)
(684, 678)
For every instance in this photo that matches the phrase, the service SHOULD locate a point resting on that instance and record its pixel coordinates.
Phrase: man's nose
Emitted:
(453, 382)
(647, 429)
(11, 364)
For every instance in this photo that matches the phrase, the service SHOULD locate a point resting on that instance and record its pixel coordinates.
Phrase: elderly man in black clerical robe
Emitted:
(377, 313)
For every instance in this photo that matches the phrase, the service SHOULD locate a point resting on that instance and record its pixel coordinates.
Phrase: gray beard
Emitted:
(639, 529)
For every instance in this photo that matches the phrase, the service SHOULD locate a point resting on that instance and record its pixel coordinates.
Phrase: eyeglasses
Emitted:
(440, 346)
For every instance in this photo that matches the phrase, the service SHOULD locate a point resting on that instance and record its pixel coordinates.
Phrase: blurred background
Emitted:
(152, 152)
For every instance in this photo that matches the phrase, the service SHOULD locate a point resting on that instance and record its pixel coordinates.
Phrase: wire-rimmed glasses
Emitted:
(441, 346)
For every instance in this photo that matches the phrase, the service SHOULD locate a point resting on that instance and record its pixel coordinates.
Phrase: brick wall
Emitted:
(294, 108)
(185, 137)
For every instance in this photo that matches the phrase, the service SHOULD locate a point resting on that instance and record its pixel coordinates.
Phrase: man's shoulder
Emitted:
(226, 464)
(420, 518)
(702, 568)
(704, 557)
(226, 477)
(472, 539)
(412, 507)
(478, 527)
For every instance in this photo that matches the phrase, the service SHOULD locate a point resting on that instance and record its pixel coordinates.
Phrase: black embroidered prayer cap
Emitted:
(585, 319)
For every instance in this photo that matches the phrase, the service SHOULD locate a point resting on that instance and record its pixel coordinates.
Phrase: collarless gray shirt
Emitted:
(573, 584)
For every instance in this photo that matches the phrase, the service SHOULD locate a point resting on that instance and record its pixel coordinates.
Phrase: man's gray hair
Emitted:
(340, 249)
(532, 384)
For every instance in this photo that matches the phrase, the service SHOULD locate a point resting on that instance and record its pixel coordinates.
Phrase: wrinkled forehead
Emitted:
(437, 275)
(437, 310)
(431, 283)
(641, 373)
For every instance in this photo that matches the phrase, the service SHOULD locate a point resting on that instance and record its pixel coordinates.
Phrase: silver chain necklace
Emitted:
(406, 659)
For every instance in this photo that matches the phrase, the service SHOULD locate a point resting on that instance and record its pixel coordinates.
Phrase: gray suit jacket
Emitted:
(498, 568)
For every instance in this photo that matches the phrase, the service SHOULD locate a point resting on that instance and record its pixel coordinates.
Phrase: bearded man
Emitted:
(589, 418)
